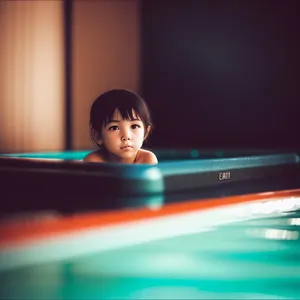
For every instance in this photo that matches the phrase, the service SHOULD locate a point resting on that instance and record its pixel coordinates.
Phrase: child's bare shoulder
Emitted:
(146, 157)
(94, 157)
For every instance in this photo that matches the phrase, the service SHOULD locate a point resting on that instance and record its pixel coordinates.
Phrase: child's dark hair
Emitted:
(125, 101)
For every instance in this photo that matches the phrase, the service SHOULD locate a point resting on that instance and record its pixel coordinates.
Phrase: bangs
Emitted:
(128, 114)
(128, 104)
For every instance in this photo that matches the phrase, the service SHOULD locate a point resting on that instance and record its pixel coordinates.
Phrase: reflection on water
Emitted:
(253, 259)
(278, 234)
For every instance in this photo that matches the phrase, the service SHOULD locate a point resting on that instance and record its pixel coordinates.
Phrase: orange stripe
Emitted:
(12, 233)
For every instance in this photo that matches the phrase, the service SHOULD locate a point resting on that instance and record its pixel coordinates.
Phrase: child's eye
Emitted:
(135, 126)
(113, 128)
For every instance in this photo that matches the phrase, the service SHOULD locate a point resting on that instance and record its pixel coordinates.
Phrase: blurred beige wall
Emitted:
(31, 76)
(105, 56)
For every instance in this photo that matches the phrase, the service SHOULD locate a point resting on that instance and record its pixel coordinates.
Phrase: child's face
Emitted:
(123, 138)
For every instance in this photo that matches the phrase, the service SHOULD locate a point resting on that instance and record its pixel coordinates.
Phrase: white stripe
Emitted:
(117, 236)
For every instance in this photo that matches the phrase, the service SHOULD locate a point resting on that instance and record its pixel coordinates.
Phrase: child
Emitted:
(120, 122)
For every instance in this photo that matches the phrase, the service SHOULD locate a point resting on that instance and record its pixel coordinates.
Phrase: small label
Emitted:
(224, 176)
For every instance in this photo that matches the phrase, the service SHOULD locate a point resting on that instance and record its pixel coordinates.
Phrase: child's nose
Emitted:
(125, 138)
(125, 135)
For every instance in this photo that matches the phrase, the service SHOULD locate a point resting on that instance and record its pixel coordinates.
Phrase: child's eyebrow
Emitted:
(118, 121)
(113, 121)
(132, 120)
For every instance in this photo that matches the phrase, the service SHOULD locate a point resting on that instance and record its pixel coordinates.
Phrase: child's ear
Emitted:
(147, 132)
(97, 137)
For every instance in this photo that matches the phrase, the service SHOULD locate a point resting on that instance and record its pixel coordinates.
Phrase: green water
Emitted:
(255, 259)
(66, 155)
(162, 154)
